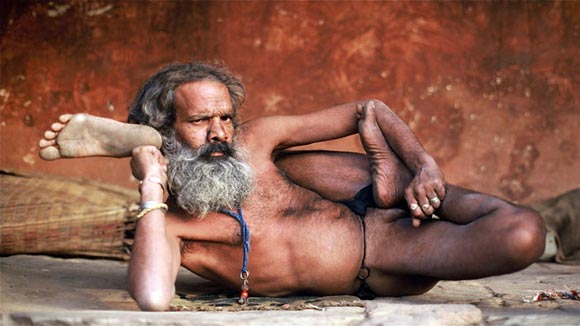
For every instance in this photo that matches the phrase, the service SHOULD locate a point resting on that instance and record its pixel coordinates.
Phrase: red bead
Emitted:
(244, 294)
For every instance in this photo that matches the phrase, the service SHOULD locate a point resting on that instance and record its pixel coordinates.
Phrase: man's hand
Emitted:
(425, 193)
(147, 163)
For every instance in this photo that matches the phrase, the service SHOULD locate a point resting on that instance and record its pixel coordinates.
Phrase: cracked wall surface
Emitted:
(491, 89)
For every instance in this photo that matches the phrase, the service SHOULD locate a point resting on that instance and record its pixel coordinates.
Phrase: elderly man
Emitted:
(224, 193)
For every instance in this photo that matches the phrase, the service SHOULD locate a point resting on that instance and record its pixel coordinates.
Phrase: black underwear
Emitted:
(363, 200)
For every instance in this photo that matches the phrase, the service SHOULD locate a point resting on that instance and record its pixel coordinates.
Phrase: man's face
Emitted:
(204, 114)
(206, 171)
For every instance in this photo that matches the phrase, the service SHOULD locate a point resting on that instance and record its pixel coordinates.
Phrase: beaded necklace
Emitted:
(244, 273)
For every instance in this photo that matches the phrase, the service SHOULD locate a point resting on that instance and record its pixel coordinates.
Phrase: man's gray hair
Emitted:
(154, 104)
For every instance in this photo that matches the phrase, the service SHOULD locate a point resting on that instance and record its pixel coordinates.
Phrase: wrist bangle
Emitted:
(154, 180)
(149, 206)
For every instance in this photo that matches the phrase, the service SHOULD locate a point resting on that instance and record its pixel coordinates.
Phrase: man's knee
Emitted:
(526, 237)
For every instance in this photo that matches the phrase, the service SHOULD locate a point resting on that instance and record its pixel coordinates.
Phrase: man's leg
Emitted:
(336, 176)
(83, 135)
(478, 235)
(494, 237)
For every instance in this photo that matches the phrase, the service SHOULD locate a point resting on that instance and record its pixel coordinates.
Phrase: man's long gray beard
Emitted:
(201, 183)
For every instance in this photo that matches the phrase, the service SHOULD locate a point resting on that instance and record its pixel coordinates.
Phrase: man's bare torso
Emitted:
(300, 242)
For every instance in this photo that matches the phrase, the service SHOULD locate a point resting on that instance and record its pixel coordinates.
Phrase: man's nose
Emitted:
(216, 131)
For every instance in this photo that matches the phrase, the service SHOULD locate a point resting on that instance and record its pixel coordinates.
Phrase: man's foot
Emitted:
(388, 173)
(83, 135)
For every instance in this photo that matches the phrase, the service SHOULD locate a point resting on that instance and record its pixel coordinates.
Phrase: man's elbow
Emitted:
(152, 300)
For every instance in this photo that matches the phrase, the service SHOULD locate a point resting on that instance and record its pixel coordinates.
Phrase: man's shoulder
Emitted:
(260, 136)
(255, 124)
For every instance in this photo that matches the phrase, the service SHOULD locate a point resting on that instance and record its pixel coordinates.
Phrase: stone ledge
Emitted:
(380, 312)
(262, 318)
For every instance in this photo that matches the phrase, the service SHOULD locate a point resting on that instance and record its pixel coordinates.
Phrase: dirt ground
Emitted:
(42, 290)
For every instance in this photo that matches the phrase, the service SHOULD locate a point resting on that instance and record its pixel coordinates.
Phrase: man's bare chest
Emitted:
(274, 204)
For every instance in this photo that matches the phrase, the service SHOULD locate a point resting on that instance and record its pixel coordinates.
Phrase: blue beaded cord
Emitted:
(246, 247)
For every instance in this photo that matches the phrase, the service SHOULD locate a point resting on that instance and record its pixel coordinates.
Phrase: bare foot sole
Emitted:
(389, 174)
(83, 135)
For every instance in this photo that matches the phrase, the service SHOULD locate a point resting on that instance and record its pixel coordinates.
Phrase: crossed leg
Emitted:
(338, 176)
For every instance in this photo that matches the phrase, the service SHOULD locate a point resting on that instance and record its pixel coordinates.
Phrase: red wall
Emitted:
(491, 89)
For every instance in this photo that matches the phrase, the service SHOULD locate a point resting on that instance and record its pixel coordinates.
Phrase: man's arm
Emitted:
(275, 133)
(155, 258)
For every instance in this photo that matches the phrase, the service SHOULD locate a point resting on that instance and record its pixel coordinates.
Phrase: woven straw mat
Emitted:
(64, 217)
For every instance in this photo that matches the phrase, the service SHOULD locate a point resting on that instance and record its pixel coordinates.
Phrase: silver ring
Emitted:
(434, 200)
(435, 217)
(414, 206)
(426, 206)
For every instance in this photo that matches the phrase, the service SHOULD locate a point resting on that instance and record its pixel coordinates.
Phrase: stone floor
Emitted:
(41, 290)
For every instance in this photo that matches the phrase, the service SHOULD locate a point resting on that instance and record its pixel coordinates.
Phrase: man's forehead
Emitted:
(202, 95)
(205, 85)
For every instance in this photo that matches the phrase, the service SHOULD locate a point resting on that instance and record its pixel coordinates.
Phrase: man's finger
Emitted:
(359, 111)
(416, 211)
(427, 208)
(416, 222)
(434, 200)
(440, 192)
(414, 202)
(413, 206)
(420, 192)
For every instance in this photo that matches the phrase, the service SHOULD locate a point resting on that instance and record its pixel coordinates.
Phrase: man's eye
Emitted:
(196, 121)
(226, 118)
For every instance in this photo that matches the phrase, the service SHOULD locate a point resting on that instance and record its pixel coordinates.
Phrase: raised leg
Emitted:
(83, 135)
(338, 176)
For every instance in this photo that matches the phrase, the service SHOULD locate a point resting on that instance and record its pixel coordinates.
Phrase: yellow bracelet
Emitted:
(149, 206)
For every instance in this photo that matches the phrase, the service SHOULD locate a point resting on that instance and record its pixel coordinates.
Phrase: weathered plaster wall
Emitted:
(491, 89)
